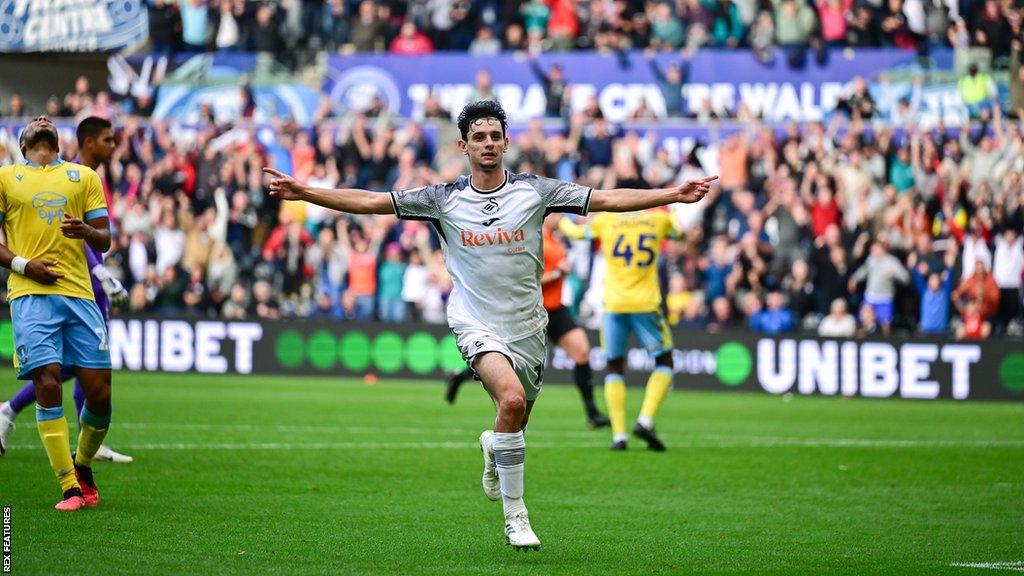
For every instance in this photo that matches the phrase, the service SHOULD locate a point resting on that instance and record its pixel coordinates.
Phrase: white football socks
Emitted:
(509, 456)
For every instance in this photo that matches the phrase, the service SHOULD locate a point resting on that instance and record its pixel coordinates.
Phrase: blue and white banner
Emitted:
(725, 79)
(222, 82)
(71, 25)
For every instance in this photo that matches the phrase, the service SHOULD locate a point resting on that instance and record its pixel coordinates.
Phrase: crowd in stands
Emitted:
(281, 27)
(832, 227)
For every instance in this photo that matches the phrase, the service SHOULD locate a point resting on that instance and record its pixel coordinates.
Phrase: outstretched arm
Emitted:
(350, 200)
(630, 199)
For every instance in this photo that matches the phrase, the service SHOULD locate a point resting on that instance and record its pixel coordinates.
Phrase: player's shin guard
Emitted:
(93, 431)
(658, 386)
(615, 399)
(53, 430)
(509, 457)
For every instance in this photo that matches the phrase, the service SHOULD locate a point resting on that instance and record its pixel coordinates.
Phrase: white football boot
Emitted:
(6, 426)
(492, 486)
(109, 454)
(519, 533)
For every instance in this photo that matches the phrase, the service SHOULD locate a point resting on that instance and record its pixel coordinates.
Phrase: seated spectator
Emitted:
(722, 317)
(677, 299)
(974, 326)
(839, 323)
(869, 326)
(410, 41)
(774, 319)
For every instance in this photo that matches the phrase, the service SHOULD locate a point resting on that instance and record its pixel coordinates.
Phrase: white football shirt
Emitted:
(493, 246)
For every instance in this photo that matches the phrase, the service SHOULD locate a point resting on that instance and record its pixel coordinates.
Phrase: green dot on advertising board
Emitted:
(6, 339)
(448, 351)
(421, 353)
(354, 351)
(321, 350)
(289, 349)
(387, 352)
(1011, 372)
(733, 363)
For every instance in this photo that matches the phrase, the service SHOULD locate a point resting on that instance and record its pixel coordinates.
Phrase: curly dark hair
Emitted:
(481, 109)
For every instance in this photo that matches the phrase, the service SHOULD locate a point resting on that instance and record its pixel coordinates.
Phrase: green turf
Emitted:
(253, 475)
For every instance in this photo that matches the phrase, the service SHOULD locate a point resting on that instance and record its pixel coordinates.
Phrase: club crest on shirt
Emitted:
(50, 206)
(74, 175)
(20, 177)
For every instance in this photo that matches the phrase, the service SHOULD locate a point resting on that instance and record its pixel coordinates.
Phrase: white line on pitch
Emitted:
(1011, 566)
(711, 440)
(691, 443)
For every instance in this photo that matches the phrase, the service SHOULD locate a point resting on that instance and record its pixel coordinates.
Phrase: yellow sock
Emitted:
(53, 430)
(658, 386)
(615, 401)
(93, 431)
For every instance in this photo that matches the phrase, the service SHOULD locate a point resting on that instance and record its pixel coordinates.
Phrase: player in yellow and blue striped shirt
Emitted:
(48, 208)
(631, 243)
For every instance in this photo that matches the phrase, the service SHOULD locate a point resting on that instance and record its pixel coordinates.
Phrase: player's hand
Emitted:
(42, 271)
(283, 186)
(72, 227)
(695, 190)
(115, 291)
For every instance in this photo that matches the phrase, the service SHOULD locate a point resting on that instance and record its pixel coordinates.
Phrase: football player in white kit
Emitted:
(490, 227)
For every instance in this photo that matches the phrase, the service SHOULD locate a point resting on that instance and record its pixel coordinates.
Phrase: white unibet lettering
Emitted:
(776, 375)
(915, 360)
(176, 351)
(848, 368)
(961, 356)
(208, 337)
(878, 377)
(152, 348)
(819, 367)
(126, 344)
(244, 334)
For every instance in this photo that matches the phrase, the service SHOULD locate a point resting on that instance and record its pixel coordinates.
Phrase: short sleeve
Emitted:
(95, 201)
(597, 226)
(562, 196)
(419, 203)
(667, 226)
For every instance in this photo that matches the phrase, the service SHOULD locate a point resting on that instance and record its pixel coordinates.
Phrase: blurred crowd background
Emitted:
(286, 27)
(857, 225)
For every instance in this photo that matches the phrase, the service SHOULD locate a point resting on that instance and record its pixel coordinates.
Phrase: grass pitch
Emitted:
(260, 475)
